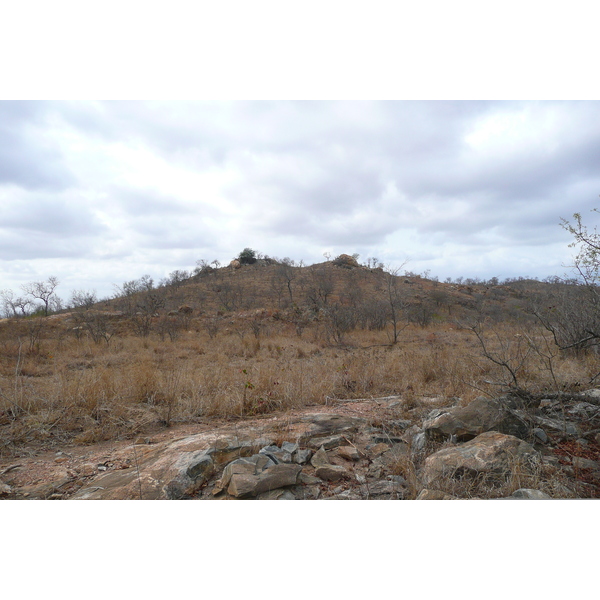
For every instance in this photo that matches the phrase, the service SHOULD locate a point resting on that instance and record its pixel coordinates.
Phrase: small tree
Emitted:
(574, 317)
(247, 256)
(396, 301)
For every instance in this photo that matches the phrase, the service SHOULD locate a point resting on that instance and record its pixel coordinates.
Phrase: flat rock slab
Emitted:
(327, 424)
(278, 476)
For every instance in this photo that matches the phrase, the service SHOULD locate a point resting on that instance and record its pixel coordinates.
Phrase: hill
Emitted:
(249, 341)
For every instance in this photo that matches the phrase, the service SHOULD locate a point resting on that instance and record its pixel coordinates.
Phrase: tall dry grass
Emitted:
(66, 389)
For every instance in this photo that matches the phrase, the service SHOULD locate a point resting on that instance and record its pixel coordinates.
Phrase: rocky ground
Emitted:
(368, 449)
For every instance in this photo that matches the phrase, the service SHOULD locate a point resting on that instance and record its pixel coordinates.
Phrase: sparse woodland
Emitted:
(263, 335)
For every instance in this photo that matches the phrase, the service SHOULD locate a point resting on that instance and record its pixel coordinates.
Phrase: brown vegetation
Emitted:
(268, 336)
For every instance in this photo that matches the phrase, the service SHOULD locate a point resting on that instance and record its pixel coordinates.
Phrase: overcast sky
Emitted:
(98, 193)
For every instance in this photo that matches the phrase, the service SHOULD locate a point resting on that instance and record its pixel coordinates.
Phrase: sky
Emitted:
(142, 144)
(101, 192)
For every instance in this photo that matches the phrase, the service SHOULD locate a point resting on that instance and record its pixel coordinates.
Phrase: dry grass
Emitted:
(58, 388)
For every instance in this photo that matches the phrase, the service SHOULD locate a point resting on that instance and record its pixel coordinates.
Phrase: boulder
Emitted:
(490, 457)
(346, 261)
(481, 415)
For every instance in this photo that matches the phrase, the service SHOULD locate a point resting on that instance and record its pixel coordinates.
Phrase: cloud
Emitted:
(458, 185)
(29, 158)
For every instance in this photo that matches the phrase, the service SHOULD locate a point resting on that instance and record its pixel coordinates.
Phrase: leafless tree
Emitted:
(43, 291)
(14, 307)
(285, 275)
(320, 286)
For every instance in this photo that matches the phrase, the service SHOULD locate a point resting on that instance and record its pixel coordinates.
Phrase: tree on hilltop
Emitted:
(247, 256)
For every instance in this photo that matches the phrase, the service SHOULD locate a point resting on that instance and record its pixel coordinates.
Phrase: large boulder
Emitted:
(345, 260)
(481, 415)
(489, 458)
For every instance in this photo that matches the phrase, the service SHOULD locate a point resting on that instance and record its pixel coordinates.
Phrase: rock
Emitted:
(585, 463)
(277, 476)
(540, 435)
(45, 490)
(419, 441)
(491, 455)
(201, 466)
(346, 261)
(276, 454)
(427, 494)
(386, 439)
(328, 443)
(141, 440)
(331, 473)
(582, 410)
(302, 456)
(193, 470)
(239, 466)
(482, 414)
(168, 470)
(567, 427)
(401, 424)
(346, 495)
(289, 447)
(323, 424)
(306, 479)
(376, 450)
(348, 452)
(278, 494)
(528, 494)
(87, 470)
(592, 396)
(319, 458)
(392, 488)
(226, 450)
